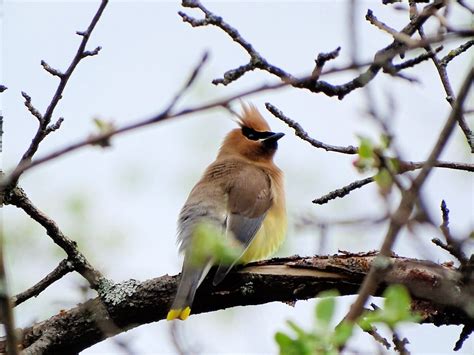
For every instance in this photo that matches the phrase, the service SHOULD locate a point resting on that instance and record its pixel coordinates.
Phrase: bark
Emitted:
(438, 293)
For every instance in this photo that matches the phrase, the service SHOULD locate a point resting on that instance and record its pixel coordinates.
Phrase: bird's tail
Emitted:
(191, 278)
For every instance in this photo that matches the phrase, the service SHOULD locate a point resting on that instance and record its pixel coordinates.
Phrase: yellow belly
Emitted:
(270, 236)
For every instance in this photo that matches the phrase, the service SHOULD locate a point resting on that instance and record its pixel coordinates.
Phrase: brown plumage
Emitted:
(242, 194)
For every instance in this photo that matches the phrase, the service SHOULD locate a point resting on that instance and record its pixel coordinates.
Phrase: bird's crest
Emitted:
(251, 118)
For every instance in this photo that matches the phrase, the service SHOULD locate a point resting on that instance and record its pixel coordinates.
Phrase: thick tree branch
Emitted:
(133, 303)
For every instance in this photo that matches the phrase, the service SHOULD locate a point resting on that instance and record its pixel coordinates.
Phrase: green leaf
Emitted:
(384, 181)
(396, 309)
(283, 340)
(304, 344)
(367, 319)
(325, 308)
(366, 148)
(397, 299)
(342, 333)
(393, 164)
(385, 140)
(297, 329)
(322, 339)
(104, 127)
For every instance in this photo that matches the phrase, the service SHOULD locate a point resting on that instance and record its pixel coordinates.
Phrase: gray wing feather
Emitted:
(244, 230)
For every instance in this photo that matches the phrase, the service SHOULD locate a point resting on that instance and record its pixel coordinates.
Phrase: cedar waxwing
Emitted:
(241, 194)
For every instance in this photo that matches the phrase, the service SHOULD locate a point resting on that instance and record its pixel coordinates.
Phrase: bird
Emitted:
(241, 195)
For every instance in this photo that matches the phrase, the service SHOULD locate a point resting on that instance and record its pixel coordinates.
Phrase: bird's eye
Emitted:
(250, 133)
(254, 135)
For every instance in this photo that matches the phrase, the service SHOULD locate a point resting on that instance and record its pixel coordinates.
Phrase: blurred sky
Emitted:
(121, 203)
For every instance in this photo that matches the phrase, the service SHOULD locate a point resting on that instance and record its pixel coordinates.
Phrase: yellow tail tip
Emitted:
(179, 313)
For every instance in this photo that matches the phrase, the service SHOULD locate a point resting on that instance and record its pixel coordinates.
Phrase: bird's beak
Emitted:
(274, 137)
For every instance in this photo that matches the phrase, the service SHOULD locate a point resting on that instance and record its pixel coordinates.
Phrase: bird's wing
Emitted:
(249, 198)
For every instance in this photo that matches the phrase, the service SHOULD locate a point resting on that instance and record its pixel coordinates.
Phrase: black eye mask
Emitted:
(255, 135)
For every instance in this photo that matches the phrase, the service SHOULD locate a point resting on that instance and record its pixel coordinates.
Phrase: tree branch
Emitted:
(382, 58)
(61, 270)
(443, 75)
(18, 198)
(45, 119)
(404, 166)
(133, 303)
(6, 309)
(347, 189)
(417, 60)
(409, 197)
(98, 139)
(300, 132)
(455, 52)
(343, 191)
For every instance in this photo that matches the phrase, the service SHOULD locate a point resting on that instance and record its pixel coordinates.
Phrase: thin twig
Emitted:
(403, 212)
(51, 70)
(256, 60)
(188, 82)
(321, 61)
(405, 166)
(398, 36)
(455, 246)
(343, 191)
(104, 136)
(162, 116)
(18, 198)
(415, 61)
(455, 52)
(381, 58)
(378, 337)
(400, 344)
(410, 165)
(61, 270)
(31, 108)
(6, 308)
(43, 130)
(465, 333)
(451, 98)
(300, 132)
